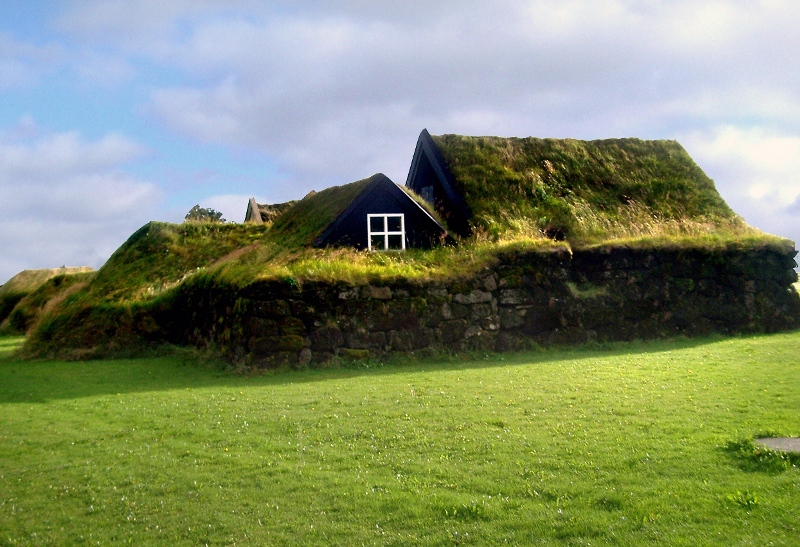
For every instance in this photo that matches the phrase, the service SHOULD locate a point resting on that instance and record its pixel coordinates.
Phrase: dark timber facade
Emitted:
(430, 178)
(382, 216)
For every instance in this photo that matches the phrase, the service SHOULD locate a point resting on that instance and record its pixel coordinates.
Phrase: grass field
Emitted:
(628, 445)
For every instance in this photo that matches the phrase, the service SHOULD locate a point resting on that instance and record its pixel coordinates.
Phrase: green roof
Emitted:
(159, 255)
(29, 280)
(566, 184)
(307, 219)
(270, 211)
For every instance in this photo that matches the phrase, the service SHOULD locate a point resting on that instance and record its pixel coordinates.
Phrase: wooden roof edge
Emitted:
(405, 190)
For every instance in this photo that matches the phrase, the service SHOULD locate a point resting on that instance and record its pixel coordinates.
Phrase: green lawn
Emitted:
(619, 446)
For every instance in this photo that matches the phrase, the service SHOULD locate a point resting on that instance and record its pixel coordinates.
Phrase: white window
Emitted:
(386, 232)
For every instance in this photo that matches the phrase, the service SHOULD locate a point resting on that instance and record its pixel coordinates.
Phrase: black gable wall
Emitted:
(384, 198)
(430, 178)
(428, 185)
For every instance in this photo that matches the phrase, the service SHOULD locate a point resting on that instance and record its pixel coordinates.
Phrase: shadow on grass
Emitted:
(42, 381)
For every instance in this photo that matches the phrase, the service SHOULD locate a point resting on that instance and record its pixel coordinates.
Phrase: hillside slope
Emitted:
(25, 283)
(160, 255)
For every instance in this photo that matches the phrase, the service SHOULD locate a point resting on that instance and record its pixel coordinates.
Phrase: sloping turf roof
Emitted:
(303, 223)
(30, 280)
(553, 180)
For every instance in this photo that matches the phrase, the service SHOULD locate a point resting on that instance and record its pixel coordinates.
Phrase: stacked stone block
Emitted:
(540, 298)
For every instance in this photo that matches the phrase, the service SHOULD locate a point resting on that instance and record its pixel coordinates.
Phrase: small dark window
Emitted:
(395, 242)
(393, 224)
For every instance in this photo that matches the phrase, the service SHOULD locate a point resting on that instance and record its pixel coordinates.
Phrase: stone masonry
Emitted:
(541, 298)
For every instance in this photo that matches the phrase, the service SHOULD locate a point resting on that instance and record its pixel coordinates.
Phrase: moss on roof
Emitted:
(159, 255)
(578, 187)
(28, 281)
(425, 205)
(270, 211)
(302, 224)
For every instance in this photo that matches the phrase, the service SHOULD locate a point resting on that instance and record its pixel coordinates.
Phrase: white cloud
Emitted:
(22, 64)
(25, 64)
(119, 20)
(65, 200)
(691, 26)
(105, 70)
(63, 153)
(739, 102)
(144, 27)
(769, 160)
(757, 170)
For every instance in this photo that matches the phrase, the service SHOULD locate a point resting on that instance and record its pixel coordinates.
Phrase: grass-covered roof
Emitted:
(300, 225)
(270, 211)
(159, 255)
(579, 188)
(27, 282)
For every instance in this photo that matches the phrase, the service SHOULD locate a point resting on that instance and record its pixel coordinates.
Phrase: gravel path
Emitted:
(784, 444)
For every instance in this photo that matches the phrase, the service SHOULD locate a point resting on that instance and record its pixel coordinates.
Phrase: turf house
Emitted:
(505, 243)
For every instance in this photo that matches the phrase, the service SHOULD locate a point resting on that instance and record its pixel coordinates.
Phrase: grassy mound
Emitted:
(111, 309)
(585, 190)
(159, 256)
(47, 295)
(25, 283)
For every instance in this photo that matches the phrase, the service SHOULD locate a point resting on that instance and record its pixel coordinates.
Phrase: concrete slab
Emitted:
(783, 444)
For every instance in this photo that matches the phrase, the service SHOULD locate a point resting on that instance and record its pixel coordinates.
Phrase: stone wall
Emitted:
(544, 298)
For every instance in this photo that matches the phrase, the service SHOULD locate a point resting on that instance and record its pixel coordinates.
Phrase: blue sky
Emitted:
(114, 113)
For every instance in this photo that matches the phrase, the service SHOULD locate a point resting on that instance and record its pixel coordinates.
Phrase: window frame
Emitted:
(386, 232)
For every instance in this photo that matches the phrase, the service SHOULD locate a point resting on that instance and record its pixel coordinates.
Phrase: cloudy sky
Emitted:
(114, 113)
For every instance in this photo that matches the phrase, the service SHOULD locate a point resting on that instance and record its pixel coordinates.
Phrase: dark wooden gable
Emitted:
(430, 178)
(265, 213)
(382, 196)
(253, 213)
